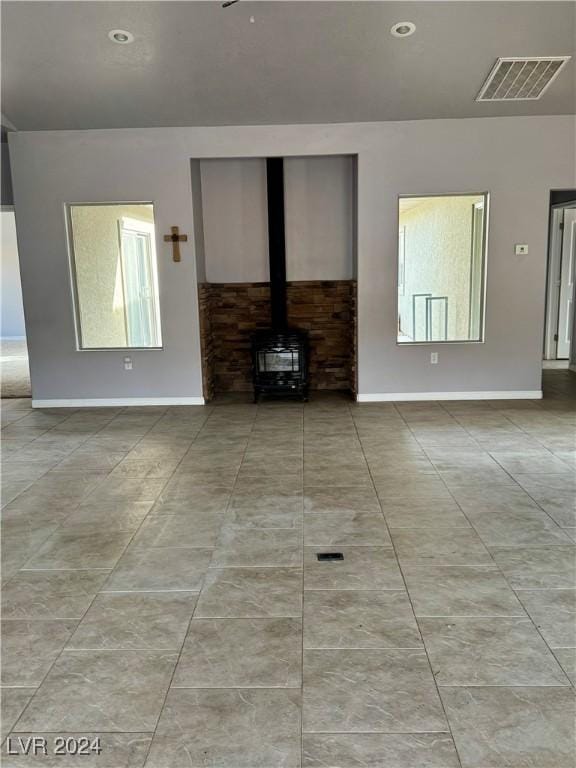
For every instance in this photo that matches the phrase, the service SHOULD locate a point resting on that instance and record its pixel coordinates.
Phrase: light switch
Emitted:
(521, 249)
(127, 363)
(434, 358)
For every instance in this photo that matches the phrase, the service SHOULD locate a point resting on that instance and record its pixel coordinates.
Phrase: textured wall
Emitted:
(438, 241)
(98, 276)
(231, 312)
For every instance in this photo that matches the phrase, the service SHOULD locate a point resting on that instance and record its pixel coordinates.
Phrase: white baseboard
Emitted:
(13, 338)
(115, 402)
(387, 397)
(549, 365)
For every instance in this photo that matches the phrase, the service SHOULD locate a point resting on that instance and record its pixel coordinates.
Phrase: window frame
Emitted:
(483, 281)
(74, 282)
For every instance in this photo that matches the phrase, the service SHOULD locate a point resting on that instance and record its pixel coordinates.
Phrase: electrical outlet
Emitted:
(127, 363)
(521, 249)
(434, 358)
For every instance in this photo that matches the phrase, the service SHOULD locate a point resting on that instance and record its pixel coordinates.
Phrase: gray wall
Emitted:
(518, 160)
(320, 205)
(12, 321)
(235, 220)
(319, 211)
(198, 220)
(6, 197)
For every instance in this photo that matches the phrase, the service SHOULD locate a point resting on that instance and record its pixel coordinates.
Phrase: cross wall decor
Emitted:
(175, 238)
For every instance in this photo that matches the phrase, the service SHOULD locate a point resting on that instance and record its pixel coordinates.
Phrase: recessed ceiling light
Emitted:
(403, 29)
(120, 36)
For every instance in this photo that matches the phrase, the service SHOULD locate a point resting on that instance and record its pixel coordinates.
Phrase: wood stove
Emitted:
(279, 354)
(280, 361)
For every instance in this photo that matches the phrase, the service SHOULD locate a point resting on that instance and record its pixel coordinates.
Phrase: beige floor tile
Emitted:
(512, 727)
(135, 621)
(251, 593)
(345, 528)
(29, 648)
(440, 546)
(240, 547)
(196, 529)
(460, 591)
(103, 691)
(554, 613)
(51, 594)
(241, 653)
(489, 652)
(376, 691)
(240, 728)
(159, 569)
(360, 750)
(354, 619)
(537, 567)
(13, 703)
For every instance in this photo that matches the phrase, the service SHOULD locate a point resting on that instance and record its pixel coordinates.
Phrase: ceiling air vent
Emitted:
(525, 79)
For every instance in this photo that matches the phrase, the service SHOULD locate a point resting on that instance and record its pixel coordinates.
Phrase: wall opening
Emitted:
(14, 350)
(560, 318)
(231, 239)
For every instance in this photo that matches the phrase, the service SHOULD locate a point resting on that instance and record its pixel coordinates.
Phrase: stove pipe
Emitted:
(276, 240)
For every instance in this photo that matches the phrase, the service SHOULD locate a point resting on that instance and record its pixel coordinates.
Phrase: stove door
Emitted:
(278, 361)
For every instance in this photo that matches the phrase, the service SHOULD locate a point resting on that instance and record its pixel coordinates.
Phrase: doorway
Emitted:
(560, 281)
(15, 379)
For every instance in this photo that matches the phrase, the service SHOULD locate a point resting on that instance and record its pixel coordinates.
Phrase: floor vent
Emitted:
(329, 556)
(525, 79)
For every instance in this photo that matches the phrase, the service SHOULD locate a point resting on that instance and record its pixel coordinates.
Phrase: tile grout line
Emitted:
(410, 600)
(37, 688)
(516, 483)
(170, 686)
(77, 504)
(504, 577)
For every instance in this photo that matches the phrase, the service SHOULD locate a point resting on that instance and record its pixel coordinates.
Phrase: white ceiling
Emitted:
(195, 63)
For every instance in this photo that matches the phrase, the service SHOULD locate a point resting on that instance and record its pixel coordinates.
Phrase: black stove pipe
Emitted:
(276, 240)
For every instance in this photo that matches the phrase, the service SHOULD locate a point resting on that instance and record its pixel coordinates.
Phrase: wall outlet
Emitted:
(127, 363)
(434, 358)
(521, 249)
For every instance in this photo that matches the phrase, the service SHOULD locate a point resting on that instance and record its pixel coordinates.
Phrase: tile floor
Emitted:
(162, 588)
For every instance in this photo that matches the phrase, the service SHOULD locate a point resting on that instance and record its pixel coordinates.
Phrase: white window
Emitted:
(441, 268)
(115, 275)
(401, 260)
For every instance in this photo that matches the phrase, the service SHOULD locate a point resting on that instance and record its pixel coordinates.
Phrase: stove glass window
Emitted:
(270, 361)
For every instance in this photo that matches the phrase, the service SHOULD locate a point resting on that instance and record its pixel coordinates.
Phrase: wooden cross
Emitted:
(175, 238)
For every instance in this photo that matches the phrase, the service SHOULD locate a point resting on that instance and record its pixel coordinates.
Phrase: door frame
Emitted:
(553, 279)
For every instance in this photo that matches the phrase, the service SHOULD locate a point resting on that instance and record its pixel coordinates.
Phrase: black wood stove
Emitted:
(279, 354)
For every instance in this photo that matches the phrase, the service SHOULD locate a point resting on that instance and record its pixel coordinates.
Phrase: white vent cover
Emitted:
(521, 79)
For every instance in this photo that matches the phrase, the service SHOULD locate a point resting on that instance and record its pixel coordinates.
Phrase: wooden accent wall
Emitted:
(230, 312)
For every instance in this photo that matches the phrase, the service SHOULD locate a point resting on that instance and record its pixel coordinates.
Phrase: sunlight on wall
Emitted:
(437, 259)
(99, 280)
